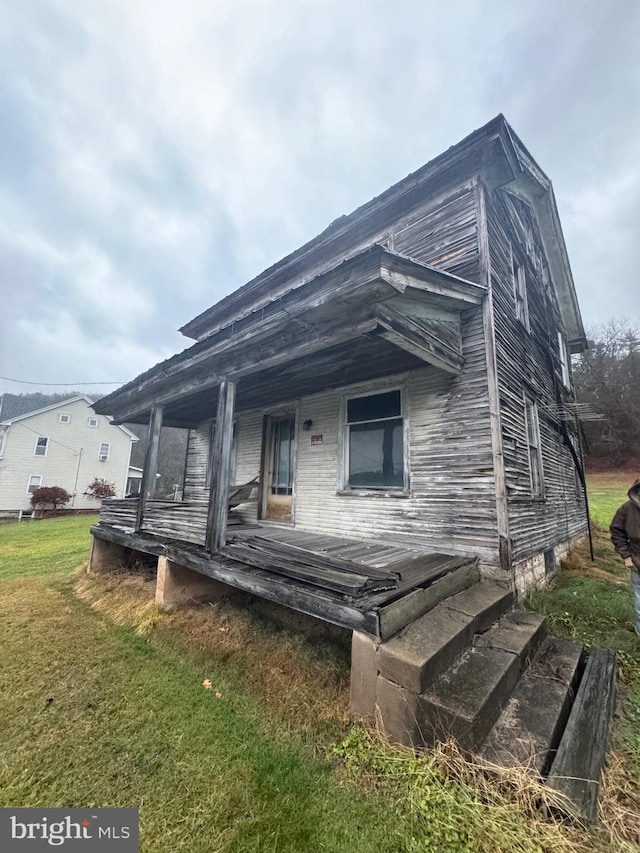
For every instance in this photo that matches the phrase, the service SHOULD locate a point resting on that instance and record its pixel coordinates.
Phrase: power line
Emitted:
(69, 384)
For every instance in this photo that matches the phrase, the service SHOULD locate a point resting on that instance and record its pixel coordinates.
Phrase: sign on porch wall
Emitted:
(316, 439)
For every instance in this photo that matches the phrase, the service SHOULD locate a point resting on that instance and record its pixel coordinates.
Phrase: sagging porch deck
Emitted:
(371, 586)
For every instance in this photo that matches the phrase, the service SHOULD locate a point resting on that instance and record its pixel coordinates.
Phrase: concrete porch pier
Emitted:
(177, 585)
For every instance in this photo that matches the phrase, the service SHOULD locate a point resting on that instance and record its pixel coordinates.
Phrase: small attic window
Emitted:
(92, 422)
(64, 418)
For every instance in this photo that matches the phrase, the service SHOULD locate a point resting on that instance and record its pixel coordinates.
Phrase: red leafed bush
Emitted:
(50, 496)
(100, 489)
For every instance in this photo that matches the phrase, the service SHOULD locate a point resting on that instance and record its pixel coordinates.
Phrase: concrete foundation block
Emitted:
(106, 556)
(177, 586)
(364, 675)
(400, 713)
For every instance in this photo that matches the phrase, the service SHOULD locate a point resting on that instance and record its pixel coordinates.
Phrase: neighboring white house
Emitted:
(66, 444)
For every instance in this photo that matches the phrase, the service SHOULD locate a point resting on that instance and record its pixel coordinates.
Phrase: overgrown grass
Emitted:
(103, 702)
(94, 713)
(591, 602)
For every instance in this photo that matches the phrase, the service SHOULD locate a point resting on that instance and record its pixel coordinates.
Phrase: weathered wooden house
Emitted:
(398, 393)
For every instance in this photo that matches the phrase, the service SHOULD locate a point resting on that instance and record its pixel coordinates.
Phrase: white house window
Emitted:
(375, 445)
(105, 448)
(92, 422)
(535, 449)
(520, 293)
(564, 361)
(35, 481)
(42, 443)
(64, 418)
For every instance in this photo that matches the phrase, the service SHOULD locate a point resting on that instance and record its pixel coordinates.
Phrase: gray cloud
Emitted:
(155, 156)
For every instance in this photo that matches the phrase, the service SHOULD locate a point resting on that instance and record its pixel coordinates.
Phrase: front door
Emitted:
(279, 460)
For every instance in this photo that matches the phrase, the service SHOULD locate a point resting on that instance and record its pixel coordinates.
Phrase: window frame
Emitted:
(344, 486)
(103, 456)
(92, 423)
(533, 439)
(38, 445)
(66, 416)
(565, 361)
(31, 490)
(520, 297)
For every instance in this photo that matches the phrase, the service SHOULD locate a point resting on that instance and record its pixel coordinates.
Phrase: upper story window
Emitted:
(375, 442)
(105, 449)
(535, 449)
(565, 367)
(64, 418)
(520, 293)
(35, 481)
(92, 422)
(42, 444)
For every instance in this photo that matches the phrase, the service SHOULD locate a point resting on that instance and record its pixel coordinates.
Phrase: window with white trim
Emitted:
(64, 418)
(534, 446)
(565, 369)
(105, 449)
(375, 441)
(92, 422)
(35, 481)
(42, 444)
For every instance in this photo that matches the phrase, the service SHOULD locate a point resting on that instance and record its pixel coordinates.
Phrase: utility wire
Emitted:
(69, 384)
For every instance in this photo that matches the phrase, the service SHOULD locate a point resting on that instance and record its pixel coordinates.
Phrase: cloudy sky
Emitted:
(155, 155)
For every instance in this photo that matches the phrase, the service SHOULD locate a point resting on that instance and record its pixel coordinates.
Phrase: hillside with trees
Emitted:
(607, 378)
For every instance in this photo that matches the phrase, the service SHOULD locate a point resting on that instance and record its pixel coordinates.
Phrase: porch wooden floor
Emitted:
(365, 585)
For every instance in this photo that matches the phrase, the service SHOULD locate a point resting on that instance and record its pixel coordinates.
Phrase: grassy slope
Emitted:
(592, 604)
(92, 713)
(607, 490)
(102, 702)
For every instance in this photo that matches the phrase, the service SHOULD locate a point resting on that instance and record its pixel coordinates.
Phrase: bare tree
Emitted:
(607, 377)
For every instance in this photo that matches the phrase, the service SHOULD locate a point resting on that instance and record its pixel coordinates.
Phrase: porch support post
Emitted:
(220, 469)
(148, 484)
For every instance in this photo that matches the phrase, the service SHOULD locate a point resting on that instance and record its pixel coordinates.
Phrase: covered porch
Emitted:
(372, 586)
(375, 315)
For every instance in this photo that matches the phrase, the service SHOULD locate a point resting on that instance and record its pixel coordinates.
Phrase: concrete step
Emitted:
(468, 697)
(528, 731)
(519, 632)
(416, 656)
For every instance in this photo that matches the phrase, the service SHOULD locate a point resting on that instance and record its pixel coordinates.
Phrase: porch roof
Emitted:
(375, 314)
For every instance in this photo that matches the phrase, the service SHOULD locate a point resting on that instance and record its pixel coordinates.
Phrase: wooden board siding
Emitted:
(529, 363)
(443, 234)
(247, 459)
(451, 505)
(195, 478)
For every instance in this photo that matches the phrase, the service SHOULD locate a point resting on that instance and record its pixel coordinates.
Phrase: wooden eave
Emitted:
(486, 153)
(533, 186)
(330, 314)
